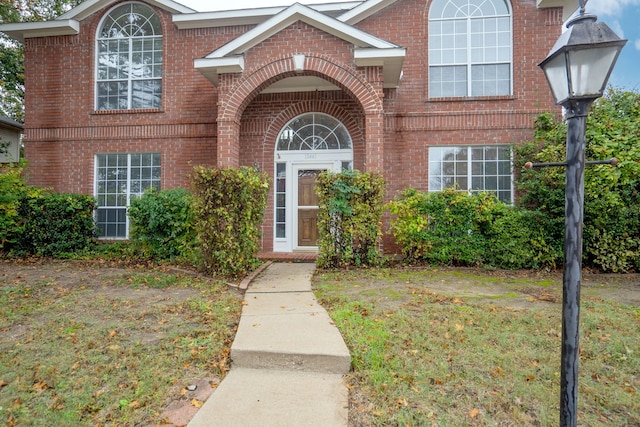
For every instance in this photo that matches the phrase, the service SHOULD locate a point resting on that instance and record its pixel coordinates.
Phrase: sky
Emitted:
(622, 16)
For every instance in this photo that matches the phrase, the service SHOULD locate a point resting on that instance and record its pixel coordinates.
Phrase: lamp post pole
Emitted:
(577, 69)
(574, 212)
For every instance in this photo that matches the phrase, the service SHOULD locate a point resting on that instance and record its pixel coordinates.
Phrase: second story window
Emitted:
(470, 48)
(129, 59)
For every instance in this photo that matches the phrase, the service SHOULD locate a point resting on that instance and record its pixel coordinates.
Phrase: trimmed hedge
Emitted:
(350, 218)
(56, 224)
(229, 206)
(456, 228)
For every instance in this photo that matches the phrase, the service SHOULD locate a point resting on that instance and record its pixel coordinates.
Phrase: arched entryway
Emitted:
(307, 145)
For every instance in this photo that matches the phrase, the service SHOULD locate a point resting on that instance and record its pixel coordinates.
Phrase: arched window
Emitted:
(129, 59)
(470, 48)
(314, 131)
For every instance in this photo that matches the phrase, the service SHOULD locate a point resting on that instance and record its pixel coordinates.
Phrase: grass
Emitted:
(84, 347)
(434, 358)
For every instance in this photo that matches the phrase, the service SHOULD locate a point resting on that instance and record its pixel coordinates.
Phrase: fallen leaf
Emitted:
(459, 327)
(197, 403)
(40, 385)
(112, 334)
(474, 413)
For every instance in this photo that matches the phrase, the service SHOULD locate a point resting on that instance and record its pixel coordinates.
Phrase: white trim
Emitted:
(364, 10)
(391, 61)
(211, 67)
(253, 16)
(24, 30)
(89, 7)
(288, 16)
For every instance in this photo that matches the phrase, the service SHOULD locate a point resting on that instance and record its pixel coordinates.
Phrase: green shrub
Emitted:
(229, 205)
(516, 239)
(442, 227)
(12, 190)
(350, 218)
(56, 224)
(611, 194)
(457, 228)
(161, 224)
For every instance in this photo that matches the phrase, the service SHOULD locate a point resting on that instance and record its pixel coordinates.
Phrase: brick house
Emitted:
(124, 95)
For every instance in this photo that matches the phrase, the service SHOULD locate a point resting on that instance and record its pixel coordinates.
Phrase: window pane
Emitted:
(471, 33)
(490, 169)
(129, 49)
(116, 183)
(314, 131)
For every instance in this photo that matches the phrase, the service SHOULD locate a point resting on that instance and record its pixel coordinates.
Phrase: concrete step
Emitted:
(288, 331)
(270, 398)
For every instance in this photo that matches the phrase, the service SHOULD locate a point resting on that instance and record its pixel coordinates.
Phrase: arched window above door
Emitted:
(314, 131)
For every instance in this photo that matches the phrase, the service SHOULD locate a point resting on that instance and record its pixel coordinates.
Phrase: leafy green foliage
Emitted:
(228, 207)
(456, 228)
(12, 190)
(349, 218)
(56, 224)
(612, 194)
(161, 223)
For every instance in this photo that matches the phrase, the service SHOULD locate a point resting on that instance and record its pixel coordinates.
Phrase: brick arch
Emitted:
(364, 86)
(249, 86)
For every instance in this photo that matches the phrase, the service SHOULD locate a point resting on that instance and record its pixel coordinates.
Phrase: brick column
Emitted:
(374, 141)
(228, 155)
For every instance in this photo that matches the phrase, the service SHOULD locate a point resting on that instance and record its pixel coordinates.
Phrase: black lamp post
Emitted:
(577, 68)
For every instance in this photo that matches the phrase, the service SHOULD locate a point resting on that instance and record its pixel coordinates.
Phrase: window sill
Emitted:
(472, 98)
(132, 111)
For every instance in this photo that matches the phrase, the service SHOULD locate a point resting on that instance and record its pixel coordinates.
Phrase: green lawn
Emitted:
(83, 346)
(460, 347)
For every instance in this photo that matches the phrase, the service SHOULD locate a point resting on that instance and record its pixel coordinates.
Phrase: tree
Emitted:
(612, 194)
(12, 52)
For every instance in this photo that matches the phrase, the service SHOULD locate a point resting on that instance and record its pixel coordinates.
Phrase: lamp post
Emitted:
(577, 69)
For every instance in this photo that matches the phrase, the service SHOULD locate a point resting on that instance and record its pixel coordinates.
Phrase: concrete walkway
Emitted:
(288, 359)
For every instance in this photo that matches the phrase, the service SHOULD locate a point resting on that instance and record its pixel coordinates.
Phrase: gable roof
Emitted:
(370, 50)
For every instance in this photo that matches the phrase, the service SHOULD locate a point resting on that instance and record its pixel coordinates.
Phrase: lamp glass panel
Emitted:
(556, 72)
(590, 69)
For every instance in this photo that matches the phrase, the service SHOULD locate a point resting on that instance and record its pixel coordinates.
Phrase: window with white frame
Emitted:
(472, 168)
(119, 178)
(129, 59)
(470, 48)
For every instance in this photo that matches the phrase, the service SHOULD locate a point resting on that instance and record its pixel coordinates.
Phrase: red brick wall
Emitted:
(63, 132)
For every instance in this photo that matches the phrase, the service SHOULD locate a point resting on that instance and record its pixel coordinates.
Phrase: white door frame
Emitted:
(296, 161)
